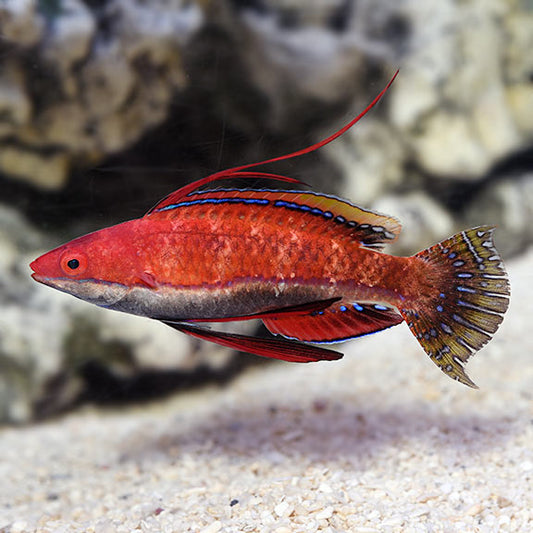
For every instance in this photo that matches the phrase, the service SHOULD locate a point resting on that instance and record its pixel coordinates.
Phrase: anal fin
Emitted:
(339, 322)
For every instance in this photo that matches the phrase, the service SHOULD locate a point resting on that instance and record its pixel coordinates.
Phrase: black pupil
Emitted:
(73, 264)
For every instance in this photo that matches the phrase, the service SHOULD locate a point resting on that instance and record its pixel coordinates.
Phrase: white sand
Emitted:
(380, 441)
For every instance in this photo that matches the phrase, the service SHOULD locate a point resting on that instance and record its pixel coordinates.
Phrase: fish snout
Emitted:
(45, 266)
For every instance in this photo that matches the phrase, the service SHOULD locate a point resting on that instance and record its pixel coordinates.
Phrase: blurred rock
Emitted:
(301, 55)
(48, 171)
(106, 74)
(21, 22)
(100, 76)
(517, 26)
(520, 99)
(371, 158)
(451, 101)
(424, 221)
(15, 104)
(49, 340)
(68, 42)
(507, 204)
(448, 146)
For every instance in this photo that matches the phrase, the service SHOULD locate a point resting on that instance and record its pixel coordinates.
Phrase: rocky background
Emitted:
(107, 105)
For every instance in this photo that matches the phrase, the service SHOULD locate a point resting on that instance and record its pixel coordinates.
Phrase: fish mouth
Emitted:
(38, 277)
(61, 284)
(101, 293)
(35, 274)
(33, 266)
(51, 282)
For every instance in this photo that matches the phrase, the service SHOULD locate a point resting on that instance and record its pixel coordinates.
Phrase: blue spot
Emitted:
(358, 307)
(343, 308)
(352, 224)
(466, 289)
(440, 309)
(340, 220)
(464, 275)
(328, 214)
(446, 328)
(442, 295)
(453, 255)
(320, 312)
(305, 208)
(316, 211)
(380, 307)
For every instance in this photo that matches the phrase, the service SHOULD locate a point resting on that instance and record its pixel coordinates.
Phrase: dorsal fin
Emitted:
(236, 172)
(371, 229)
(180, 194)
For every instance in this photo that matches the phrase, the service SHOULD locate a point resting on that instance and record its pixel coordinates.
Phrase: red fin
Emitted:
(468, 302)
(339, 322)
(236, 172)
(180, 194)
(285, 350)
(295, 310)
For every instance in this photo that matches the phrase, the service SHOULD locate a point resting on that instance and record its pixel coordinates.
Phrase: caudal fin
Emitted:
(467, 304)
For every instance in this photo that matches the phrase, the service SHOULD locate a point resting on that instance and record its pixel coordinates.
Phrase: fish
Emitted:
(309, 265)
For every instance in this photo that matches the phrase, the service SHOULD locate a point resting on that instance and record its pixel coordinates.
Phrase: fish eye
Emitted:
(73, 264)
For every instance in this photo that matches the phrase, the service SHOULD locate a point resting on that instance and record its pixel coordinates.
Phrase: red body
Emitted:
(235, 259)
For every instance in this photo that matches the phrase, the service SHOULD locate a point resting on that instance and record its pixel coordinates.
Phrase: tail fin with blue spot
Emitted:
(467, 306)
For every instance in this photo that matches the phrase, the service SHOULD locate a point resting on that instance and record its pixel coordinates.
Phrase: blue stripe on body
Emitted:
(253, 201)
(256, 201)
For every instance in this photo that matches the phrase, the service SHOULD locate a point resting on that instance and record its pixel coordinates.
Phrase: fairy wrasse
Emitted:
(307, 264)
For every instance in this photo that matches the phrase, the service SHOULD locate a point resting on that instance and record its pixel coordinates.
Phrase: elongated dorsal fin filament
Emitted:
(317, 145)
(240, 171)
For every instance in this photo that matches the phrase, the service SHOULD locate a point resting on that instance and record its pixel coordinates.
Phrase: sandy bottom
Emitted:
(379, 441)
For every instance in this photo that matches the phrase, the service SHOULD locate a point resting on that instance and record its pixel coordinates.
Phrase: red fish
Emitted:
(307, 264)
